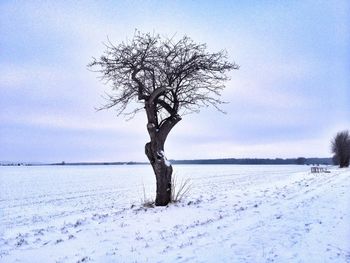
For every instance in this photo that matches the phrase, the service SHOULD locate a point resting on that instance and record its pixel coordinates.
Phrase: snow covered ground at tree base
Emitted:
(233, 214)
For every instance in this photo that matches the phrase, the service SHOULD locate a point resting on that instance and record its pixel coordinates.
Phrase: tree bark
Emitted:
(155, 148)
(162, 170)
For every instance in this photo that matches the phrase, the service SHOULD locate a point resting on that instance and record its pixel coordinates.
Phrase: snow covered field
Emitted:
(233, 214)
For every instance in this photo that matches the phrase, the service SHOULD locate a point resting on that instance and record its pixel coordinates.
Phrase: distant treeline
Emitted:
(257, 161)
(96, 163)
(300, 160)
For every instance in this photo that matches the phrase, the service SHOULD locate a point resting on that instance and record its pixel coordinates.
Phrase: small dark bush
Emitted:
(341, 149)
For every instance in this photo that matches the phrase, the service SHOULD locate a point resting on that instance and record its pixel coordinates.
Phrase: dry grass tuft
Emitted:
(146, 201)
(179, 190)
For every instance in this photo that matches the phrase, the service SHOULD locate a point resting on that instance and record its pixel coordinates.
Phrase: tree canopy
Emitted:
(179, 76)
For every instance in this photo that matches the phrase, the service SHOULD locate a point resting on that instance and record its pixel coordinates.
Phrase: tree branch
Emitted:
(167, 126)
(148, 67)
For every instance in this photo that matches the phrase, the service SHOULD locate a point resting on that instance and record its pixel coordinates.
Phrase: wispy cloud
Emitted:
(290, 95)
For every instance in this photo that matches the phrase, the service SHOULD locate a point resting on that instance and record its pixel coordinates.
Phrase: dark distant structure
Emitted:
(300, 160)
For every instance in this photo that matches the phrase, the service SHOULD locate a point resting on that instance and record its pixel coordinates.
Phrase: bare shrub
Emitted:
(341, 148)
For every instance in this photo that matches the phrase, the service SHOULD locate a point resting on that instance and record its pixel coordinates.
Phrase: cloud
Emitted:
(291, 89)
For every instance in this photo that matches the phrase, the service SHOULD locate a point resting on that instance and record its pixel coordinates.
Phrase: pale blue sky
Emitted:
(290, 96)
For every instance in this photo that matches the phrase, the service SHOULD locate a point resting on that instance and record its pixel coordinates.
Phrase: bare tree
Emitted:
(341, 148)
(169, 79)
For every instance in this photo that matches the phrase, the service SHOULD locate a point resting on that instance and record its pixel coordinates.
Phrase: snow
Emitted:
(162, 155)
(232, 214)
(166, 161)
(151, 125)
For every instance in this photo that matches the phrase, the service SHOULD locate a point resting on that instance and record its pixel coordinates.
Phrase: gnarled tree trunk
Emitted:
(162, 170)
(155, 150)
